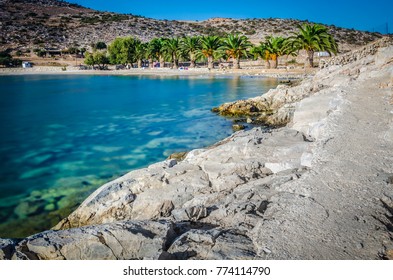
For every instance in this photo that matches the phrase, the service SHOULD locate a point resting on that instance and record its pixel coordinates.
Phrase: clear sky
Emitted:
(360, 14)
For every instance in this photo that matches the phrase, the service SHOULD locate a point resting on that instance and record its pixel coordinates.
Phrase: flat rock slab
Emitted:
(124, 241)
(213, 245)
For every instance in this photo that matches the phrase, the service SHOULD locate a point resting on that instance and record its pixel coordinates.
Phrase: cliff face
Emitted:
(319, 188)
(29, 24)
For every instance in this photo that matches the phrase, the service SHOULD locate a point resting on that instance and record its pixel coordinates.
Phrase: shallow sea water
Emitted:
(63, 136)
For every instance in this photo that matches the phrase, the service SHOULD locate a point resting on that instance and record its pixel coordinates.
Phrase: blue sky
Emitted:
(361, 14)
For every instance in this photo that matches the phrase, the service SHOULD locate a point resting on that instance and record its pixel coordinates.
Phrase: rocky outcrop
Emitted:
(318, 188)
(7, 249)
(213, 244)
(200, 179)
(358, 54)
(276, 107)
(122, 240)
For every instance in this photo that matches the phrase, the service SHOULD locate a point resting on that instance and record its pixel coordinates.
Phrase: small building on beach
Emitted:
(323, 54)
(27, 64)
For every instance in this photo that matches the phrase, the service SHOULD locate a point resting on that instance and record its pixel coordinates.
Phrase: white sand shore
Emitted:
(50, 70)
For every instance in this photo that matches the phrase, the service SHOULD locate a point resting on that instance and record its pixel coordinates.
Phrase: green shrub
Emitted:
(292, 61)
(251, 32)
(39, 52)
(6, 60)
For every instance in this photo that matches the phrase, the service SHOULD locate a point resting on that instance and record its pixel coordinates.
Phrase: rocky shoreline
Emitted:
(319, 187)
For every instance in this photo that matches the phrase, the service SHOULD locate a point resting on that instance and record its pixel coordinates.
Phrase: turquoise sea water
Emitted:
(64, 136)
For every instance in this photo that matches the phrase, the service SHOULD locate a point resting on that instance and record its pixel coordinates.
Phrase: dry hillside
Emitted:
(27, 24)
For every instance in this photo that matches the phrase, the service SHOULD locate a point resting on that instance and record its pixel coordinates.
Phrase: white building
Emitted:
(323, 54)
(26, 64)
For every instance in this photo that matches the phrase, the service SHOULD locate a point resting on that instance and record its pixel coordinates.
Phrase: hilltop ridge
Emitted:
(58, 24)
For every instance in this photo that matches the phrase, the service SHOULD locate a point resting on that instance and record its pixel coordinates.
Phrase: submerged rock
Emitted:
(237, 127)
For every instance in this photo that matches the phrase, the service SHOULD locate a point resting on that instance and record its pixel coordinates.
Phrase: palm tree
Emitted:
(140, 52)
(155, 51)
(151, 52)
(276, 48)
(261, 52)
(313, 38)
(236, 46)
(209, 49)
(190, 46)
(172, 48)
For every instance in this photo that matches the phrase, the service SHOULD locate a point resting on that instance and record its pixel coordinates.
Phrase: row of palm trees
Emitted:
(234, 47)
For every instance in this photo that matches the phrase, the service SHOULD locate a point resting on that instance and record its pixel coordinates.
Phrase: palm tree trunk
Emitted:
(150, 63)
(275, 64)
(162, 62)
(192, 60)
(210, 64)
(139, 63)
(236, 63)
(175, 62)
(267, 63)
(310, 58)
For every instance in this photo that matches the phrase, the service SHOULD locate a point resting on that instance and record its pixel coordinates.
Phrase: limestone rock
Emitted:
(165, 209)
(139, 194)
(7, 249)
(213, 245)
(123, 240)
(196, 213)
(166, 187)
(389, 255)
(356, 55)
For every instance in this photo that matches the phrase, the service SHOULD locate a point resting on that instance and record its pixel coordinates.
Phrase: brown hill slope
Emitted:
(26, 24)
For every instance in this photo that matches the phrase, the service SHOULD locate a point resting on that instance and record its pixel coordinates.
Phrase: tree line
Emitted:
(7, 60)
(233, 47)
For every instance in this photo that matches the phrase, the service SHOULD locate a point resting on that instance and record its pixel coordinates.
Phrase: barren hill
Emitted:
(57, 24)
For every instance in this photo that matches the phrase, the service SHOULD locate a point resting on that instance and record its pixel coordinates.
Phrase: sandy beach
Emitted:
(249, 71)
